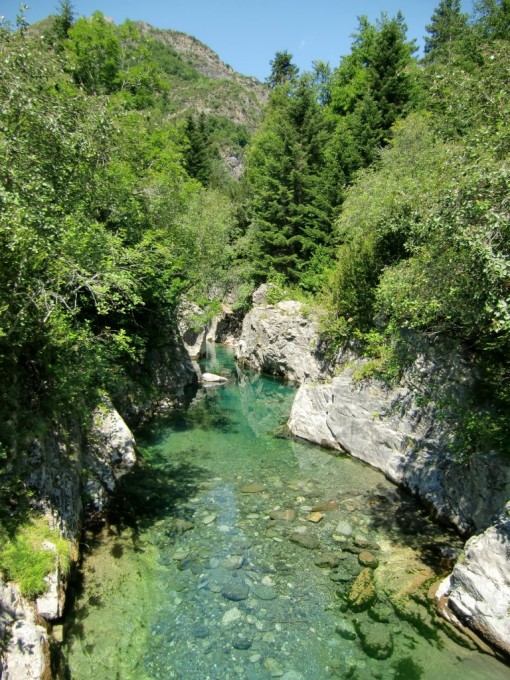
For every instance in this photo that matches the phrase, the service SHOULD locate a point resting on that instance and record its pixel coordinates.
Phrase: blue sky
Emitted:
(247, 33)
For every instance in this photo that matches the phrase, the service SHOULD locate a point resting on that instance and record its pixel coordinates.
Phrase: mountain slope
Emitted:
(201, 82)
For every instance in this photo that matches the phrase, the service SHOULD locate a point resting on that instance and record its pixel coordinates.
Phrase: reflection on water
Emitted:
(212, 567)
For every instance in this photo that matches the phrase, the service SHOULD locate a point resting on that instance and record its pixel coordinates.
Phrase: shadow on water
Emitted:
(203, 411)
(154, 491)
(409, 524)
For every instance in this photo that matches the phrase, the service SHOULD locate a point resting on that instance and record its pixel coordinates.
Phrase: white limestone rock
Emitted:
(110, 454)
(212, 378)
(479, 592)
(387, 429)
(282, 340)
(194, 336)
(50, 605)
(26, 652)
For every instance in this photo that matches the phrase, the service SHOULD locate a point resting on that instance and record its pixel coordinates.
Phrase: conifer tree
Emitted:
(197, 155)
(290, 208)
(282, 69)
(62, 23)
(371, 89)
(447, 26)
(389, 78)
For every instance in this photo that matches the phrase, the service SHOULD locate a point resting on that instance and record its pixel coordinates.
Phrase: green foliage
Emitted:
(198, 155)
(280, 290)
(94, 54)
(62, 23)
(425, 245)
(205, 231)
(448, 26)
(289, 209)
(102, 232)
(492, 19)
(25, 560)
(282, 69)
(376, 219)
(372, 88)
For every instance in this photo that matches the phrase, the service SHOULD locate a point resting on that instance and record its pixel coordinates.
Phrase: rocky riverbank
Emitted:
(73, 476)
(399, 431)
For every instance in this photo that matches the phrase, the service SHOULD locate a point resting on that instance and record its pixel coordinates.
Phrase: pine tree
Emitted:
(389, 78)
(62, 23)
(370, 90)
(282, 69)
(197, 155)
(290, 208)
(448, 25)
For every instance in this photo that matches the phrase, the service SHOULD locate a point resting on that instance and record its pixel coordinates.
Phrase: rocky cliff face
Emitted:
(237, 97)
(399, 431)
(282, 340)
(387, 429)
(25, 641)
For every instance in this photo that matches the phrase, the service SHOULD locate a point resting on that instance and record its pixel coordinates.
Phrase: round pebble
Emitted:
(235, 591)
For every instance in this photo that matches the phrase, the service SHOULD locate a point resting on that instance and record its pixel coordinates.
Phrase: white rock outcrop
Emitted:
(387, 429)
(193, 336)
(479, 587)
(25, 653)
(213, 378)
(110, 454)
(282, 340)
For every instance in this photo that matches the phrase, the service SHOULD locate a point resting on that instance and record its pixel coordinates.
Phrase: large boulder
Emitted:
(110, 454)
(283, 340)
(479, 587)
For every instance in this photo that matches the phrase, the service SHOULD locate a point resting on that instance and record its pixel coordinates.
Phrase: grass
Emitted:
(24, 559)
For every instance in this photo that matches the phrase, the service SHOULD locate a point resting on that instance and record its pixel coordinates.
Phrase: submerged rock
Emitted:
(264, 592)
(315, 517)
(366, 559)
(283, 515)
(231, 616)
(328, 506)
(380, 612)
(253, 488)
(376, 639)
(241, 642)
(362, 594)
(305, 541)
(327, 560)
(343, 528)
(235, 591)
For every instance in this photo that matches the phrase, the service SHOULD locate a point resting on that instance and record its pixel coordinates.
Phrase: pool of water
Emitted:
(213, 568)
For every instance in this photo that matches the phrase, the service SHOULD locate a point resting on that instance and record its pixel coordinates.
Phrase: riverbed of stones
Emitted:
(266, 579)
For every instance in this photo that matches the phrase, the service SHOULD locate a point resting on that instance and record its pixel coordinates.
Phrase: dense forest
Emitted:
(376, 189)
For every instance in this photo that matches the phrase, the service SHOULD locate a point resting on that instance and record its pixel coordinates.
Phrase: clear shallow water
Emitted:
(194, 580)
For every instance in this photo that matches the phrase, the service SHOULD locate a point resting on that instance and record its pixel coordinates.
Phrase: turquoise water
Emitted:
(197, 577)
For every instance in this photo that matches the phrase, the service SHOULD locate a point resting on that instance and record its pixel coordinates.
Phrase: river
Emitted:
(211, 567)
